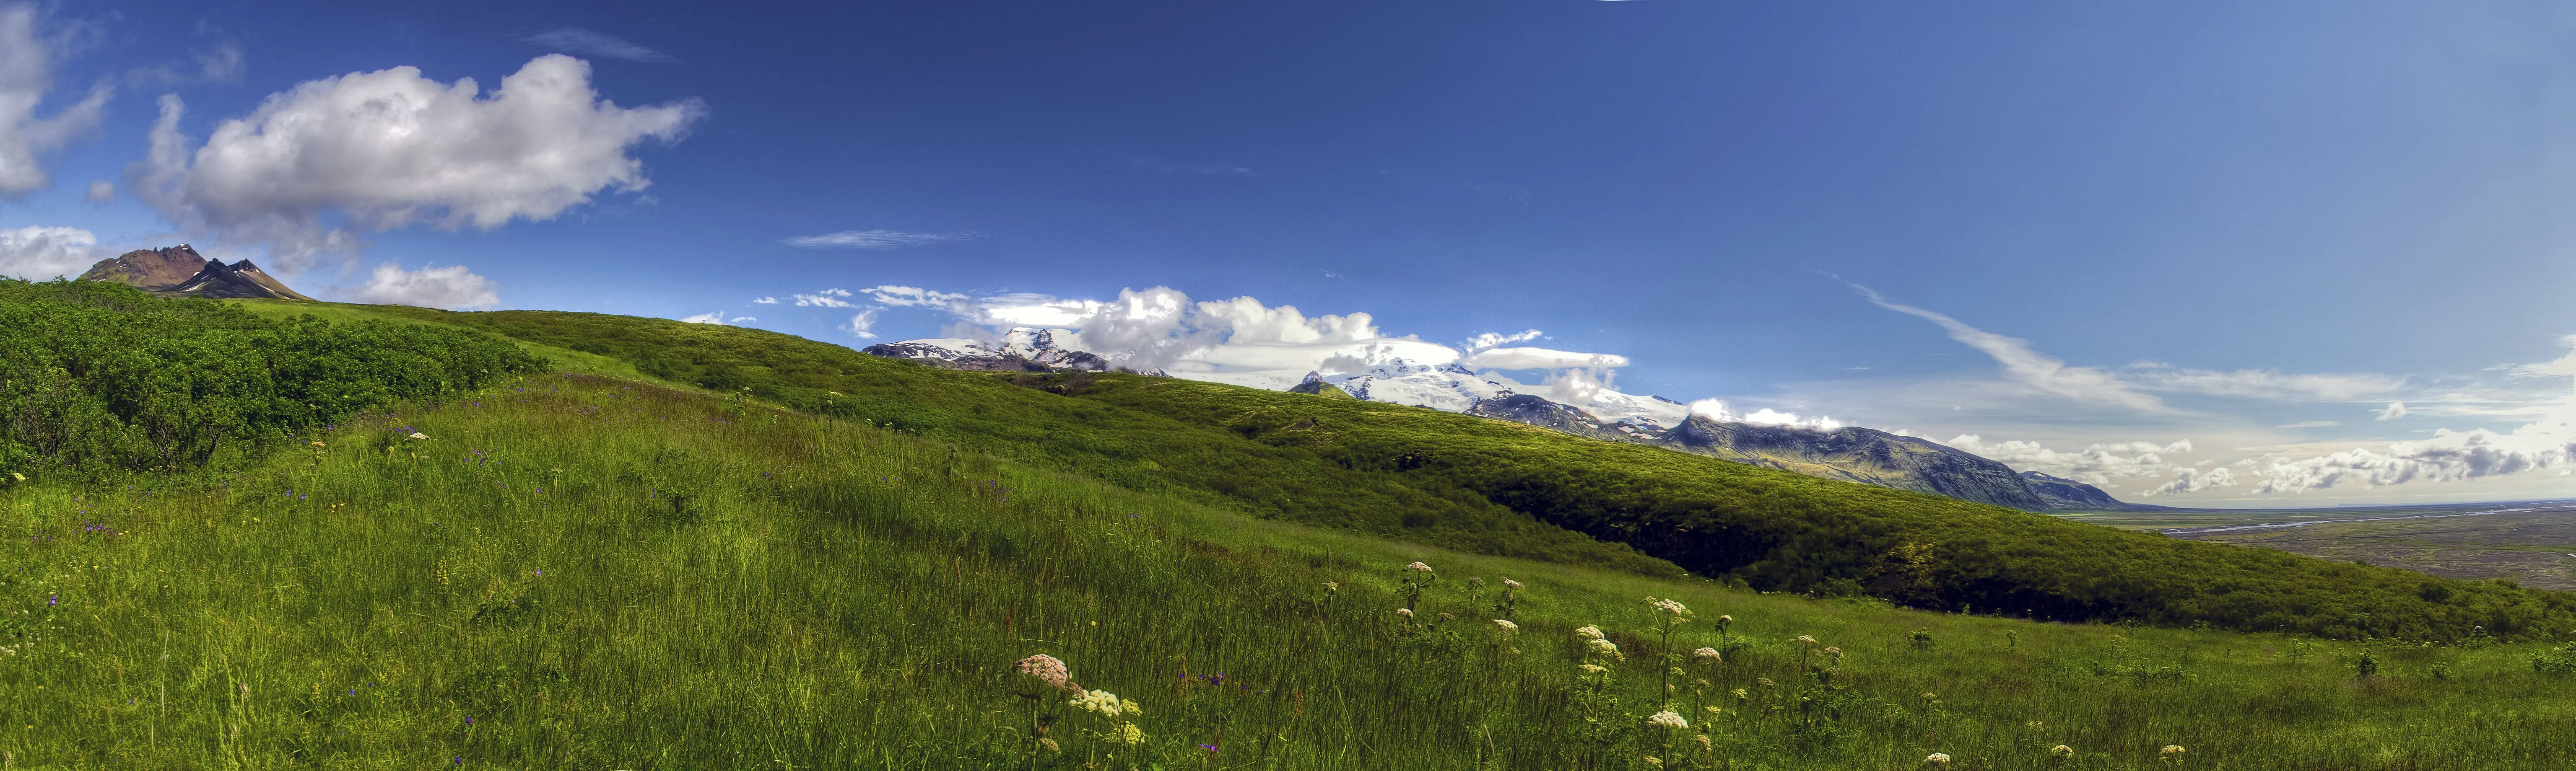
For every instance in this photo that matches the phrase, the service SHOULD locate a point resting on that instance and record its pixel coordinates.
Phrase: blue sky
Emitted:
(2144, 242)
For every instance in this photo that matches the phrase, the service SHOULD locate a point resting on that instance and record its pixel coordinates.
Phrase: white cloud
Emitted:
(2031, 368)
(2395, 410)
(862, 323)
(1498, 339)
(452, 288)
(574, 40)
(711, 317)
(101, 191)
(38, 253)
(2547, 443)
(766, 301)
(2258, 384)
(1542, 358)
(391, 148)
(2097, 464)
(2311, 424)
(2192, 480)
(876, 239)
(828, 298)
(26, 73)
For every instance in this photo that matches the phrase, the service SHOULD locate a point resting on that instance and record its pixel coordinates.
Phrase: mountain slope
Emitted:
(1857, 454)
(1849, 454)
(1496, 487)
(179, 271)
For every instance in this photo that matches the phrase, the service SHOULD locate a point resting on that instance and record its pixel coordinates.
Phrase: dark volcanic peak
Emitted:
(151, 269)
(179, 271)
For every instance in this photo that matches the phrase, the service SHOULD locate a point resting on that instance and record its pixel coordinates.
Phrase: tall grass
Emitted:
(576, 572)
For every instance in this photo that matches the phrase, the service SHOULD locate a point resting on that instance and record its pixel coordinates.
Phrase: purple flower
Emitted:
(1208, 747)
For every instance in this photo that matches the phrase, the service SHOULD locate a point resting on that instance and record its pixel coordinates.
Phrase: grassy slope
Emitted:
(1498, 488)
(588, 573)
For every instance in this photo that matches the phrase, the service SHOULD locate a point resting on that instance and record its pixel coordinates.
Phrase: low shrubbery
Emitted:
(101, 376)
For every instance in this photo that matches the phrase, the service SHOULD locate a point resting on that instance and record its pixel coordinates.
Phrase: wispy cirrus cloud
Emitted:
(575, 40)
(2028, 367)
(877, 239)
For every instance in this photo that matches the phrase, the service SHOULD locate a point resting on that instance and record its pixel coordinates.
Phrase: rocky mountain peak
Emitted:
(179, 271)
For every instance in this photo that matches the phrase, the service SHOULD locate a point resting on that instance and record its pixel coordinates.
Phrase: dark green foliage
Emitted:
(1509, 489)
(101, 376)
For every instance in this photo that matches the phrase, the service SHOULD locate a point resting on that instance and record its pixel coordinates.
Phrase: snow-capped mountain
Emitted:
(1023, 349)
(1818, 448)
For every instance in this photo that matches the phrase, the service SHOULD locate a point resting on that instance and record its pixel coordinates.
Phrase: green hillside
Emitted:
(580, 571)
(1504, 489)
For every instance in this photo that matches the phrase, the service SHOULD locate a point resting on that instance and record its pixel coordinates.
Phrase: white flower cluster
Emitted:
(1706, 653)
(1507, 626)
(1671, 607)
(1668, 719)
(1588, 632)
(1106, 703)
(1418, 566)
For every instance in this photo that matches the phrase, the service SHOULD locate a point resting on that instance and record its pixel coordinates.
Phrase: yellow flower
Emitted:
(1129, 734)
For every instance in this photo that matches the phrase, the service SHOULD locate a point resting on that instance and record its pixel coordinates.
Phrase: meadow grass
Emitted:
(575, 571)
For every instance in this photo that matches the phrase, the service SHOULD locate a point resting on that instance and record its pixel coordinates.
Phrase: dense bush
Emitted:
(97, 376)
(1509, 489)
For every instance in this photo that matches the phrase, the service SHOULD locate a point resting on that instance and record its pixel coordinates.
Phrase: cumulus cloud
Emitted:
(38, 253)
(2025, 366)
(2547, 443)
(2311, 424)
(101, 191)
(26, 74)
(2098, 464)
(2395, 410)
(2192, 480)
(876, 239)
(1718, 410)
(766, 301)
(390, 148)
(574, 40)
(717, 318)
(452, 288)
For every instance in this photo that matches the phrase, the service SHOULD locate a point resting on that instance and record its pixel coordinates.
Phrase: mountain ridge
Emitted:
(179, 271)
(1829, 451)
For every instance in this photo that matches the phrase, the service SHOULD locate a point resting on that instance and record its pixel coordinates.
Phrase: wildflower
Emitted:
(1937, 759)
(1927, 696)
(17, 476)
(1654, 762)
(1418, 566)
(318, 444)
(1128, 734)
(1671, 607)
(1595, 668)
(419, 435)
(2172, 754)
(1703, 741)
(1804, 639)
(1103, 702)
(1405, 612)
(1511, 584)
(1668, 719)
(2171, 749)
(1837, 653)
(2062, 751)
(1606, 648)
(1588, 632)
(1507, 627)
(1050, 745)
(1738, 693)
(1725, 619)
(1332, 587)
(1047, 669)
(1448, 616)
(1706, 653)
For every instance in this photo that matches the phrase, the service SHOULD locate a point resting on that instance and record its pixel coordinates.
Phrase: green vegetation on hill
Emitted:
(1499, 488)
(101, 376)
(578, 572)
